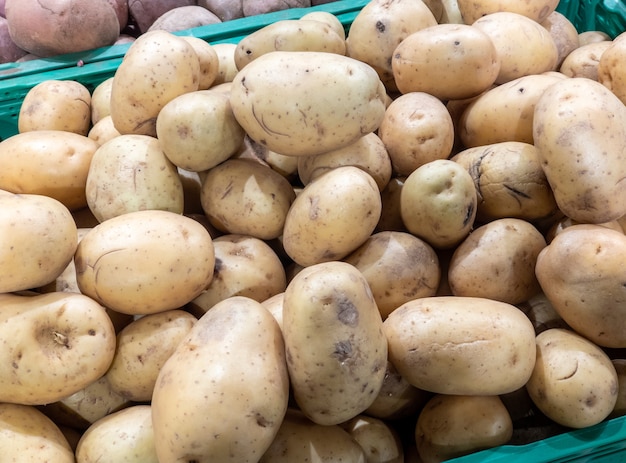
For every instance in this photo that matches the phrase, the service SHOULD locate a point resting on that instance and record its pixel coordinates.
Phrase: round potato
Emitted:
(56, 105)
(308, 118)
(509, 181)
(379, 440)
(576, 125)
(564, 34)
(226, 69)
(131, 173)
(537, 10)
(101, 100)
(103, 130)
(507, 30)
(497, 261)
(448, 61)
(57, 163)
(398, 267)
(610, 71)
(209, 61)
(198, 130)
(245, 197)
(181, 18)
(334, 343)
(584, 61)
(145, 262)
(592, 36)
(416, 129)
(317, 231)
(327, 18)
(461, 345)
(582, 275)
(26, 222)
(574, 383)
(438, 203)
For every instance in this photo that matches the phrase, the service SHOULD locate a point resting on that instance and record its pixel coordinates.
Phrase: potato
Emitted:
(562, 223)
(620, 404)
(86, 406)
(122, 437)
(145, 262)
(226, 10)
(101, 100)
(497, 261)
(334, 343)
(438, 203)
(453, 426)
(143, 346)
(27, 434)
(417, 128)
(610, 73)
(57, 163)
(227, 69)
(182, 18)
(223, 393)
(391, 217)
(575, 127)
(289, 35)
(327, 18)
(379, 27)
(145, 13)
(198, 130)
(398, 267)
(244, 266)
(254, 7)
(448, 61)
(9, 51)
(538, 10)
(503, 113)
(274, 304)
(582, 275)
(507, 30)
(461, 345)
(379, 440)
(26, 222)
(56, 105)
(209, 61)
(103, 130)
(564, 34)
(592, 36)
(41, 26)
(157, 67)
(509, 181)
(55, 345)
(309, 118)
(317, 231)
(584, 61)
(300, 439)
(368, 153)
(130, 173)
(574, 383)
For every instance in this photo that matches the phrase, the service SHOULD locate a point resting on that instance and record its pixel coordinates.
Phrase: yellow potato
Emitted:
(289, 35)
(610, 69)
(29, 435)
(417, 128)
(143, 346)
(57, 163)
(507, 31)
(223, 393)
(101, 100)
(157, 67)
(574, 383)
(461, 345)
(564, 34)
(209, 61)
(308, 118)
(103, 130)
(198, 130)
(537, 10)
(448, 61)
(27, 222)
(126, 436)
(584, 61)
(55, 345)
(379, 440)
(576, 127)
(131, 173)
(327, 18)
(56, 105)
(145, 262)
(227, 68)
(316, 230)
(335, 347)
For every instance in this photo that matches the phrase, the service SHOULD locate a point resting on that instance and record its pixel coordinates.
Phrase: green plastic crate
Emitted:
(16, 79)
(608, 16)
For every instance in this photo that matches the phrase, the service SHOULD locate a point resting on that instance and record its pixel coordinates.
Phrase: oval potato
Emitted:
(537, 10)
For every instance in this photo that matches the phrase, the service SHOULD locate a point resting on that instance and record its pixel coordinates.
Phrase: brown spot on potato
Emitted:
(347, 312)
(343, 351)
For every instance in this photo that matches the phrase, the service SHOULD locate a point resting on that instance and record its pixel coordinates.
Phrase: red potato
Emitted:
(145, 13)
(184, 17)
(54, 27)
(9, 51)
(255, 7)
(121, 10)
(226, 10)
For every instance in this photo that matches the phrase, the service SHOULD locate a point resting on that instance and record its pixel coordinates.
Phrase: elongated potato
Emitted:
(461, 345)
(308, 118)
(54, 345)
(223, 393)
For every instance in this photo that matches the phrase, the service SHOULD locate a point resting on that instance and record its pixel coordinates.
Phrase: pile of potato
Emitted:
(399, 243)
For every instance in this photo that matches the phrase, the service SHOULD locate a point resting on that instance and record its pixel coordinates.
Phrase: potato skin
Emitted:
(576, 125)
(335, 347)
(27, 221)
(55, 344)
(573, 382)
(537, 10)
(581, 272)
(461, 345)
(223, 393)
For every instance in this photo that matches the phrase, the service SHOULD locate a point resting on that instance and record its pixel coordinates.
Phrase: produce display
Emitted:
(398, 240)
